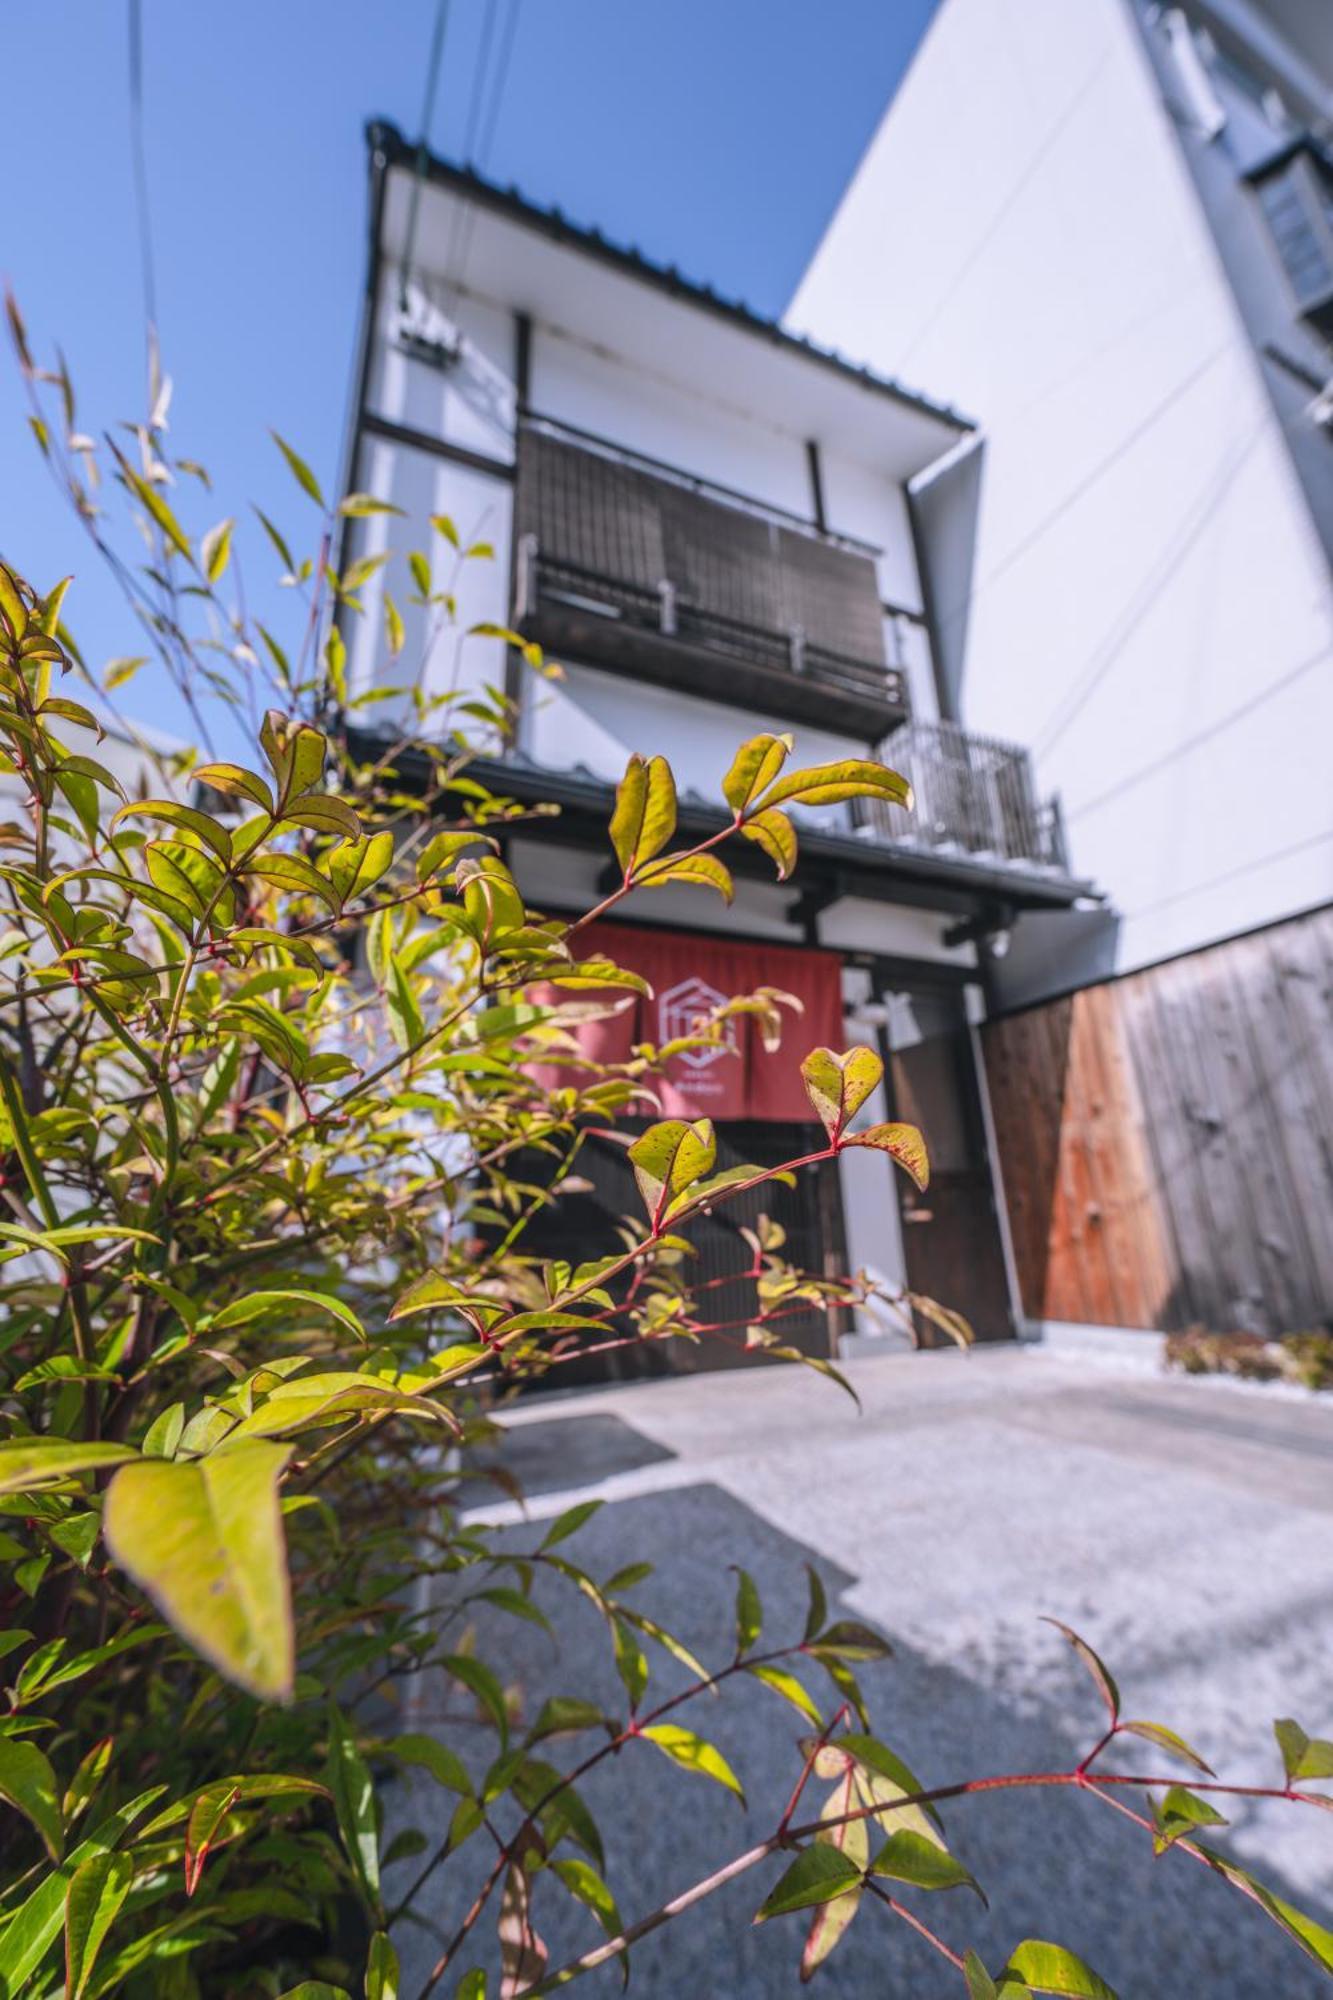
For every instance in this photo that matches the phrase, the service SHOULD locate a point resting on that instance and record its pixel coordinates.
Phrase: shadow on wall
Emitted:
(1054, 1865)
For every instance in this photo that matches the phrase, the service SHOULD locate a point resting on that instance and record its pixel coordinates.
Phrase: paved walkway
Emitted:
(1185, 1528)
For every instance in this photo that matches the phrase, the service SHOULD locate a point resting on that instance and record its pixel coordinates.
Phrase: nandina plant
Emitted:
(275, 1034)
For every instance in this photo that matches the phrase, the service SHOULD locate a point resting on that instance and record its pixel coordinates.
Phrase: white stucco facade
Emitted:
(1150, 605)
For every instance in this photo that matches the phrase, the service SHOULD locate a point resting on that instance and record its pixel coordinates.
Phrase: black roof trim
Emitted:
(385, 139)
(948, 882)
(1272, 163)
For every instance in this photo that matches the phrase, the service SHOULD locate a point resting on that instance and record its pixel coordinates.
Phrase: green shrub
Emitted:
(265, 1277)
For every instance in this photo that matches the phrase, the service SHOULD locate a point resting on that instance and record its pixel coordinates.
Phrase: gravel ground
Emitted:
(1186, 1530)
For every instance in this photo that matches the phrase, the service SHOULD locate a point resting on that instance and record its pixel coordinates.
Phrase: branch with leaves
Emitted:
(276, 1038)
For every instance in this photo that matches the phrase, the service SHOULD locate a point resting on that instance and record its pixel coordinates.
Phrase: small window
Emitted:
(1295, 193)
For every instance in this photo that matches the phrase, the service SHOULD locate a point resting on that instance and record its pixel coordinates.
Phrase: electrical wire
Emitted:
(433, 66)
(458, 220)
(1077, 697)
(1191, 743)
(140, 170)
(508, 37)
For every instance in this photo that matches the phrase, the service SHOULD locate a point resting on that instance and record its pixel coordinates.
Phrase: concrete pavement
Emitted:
(1186, 1528)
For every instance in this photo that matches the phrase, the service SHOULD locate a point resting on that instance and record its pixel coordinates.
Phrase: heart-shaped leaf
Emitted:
(669, 1158)
(838, 1085)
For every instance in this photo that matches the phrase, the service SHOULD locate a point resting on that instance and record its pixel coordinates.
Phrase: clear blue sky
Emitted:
(715, 134)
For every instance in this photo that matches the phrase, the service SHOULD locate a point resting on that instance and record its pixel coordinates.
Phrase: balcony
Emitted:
(637, 568)
(974, 796)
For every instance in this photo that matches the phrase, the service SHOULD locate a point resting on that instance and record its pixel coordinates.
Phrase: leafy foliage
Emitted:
(270, 1034)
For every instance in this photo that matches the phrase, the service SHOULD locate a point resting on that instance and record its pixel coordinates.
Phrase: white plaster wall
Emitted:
(438, 652)
(598, 720)
(598, 391)
(471, 403)
(1151, 608)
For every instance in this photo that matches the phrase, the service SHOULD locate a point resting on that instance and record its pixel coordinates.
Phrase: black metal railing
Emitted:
(973, 794)
(632, 565)
(544, 581)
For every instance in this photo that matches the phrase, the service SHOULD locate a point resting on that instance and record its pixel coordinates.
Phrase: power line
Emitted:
(433, 64)
(140, 170)
(505, 56)
(1201, 736)
(987, 237)
(478, 79)
(459, 217)
(1231, 875)
(1076, 698)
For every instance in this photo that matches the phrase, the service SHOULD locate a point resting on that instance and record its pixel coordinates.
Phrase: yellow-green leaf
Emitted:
(832, 784)
(838, 1085)
(1051, 1969)
(31, 1462)
(215, 550)
(670, 1157)
(692, 1753)
(902, 1143)
(97, 1890)
(236, 781)
(300, 471)
(909, 1857)
(700, 871)
(790, 1689)
(29, 1784)
(753, 768)
(202, 825)
(381, 1969)
(357, 505)
(645, 815)
(395, 632)
(774, 832)
(205, 1541)
(251, 1305)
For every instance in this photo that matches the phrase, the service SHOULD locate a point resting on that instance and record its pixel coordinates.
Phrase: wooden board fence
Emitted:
(1166, 1139)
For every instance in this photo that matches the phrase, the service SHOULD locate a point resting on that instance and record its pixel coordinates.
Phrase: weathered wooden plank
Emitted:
(1138, 1267)
(1285, 997)
(1167, 1139)
(1173, 1173)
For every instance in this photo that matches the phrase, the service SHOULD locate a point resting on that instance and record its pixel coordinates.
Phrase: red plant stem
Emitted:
(808, 1767)
(612, 1747)
(1025, 1780)
(922, 1929)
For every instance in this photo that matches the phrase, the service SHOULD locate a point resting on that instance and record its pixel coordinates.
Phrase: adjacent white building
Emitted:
(1108, 226)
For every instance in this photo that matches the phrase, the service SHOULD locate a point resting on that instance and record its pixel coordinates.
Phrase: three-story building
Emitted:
(715, 528)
